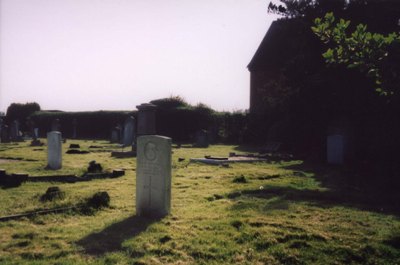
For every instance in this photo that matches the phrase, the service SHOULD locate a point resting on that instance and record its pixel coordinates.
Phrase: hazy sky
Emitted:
(115, 54)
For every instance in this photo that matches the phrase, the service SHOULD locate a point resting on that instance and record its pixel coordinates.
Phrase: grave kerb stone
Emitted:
(129, 131)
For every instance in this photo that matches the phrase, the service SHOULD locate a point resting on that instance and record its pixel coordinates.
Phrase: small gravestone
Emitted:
(153, 176)
(339, 143)
(129, 131)
(5, 138)
(36, 141)
(201, 139)
(54, 158)
(146, 119)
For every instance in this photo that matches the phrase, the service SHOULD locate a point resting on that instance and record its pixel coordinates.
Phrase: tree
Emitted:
(306, 8)
(371, 53)
(19, 111)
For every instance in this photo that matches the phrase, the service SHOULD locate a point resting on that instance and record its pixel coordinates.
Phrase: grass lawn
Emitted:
(283, 212)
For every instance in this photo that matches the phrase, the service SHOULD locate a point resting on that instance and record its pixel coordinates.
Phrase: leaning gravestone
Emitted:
(54, 150)
(153, 176)
(129, 131)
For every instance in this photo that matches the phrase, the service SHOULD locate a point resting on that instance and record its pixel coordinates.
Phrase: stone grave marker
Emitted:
(201, 139)
(129, 131)
(54, 158)
(5, 137)
(339, 149)
(146, 119)
(153, 176)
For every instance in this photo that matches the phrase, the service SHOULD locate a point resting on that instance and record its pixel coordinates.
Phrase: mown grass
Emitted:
(260, 213)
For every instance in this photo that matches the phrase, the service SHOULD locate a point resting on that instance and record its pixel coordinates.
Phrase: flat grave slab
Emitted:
(219, 161)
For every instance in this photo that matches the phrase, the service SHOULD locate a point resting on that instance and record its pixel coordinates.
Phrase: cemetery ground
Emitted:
(277, 212)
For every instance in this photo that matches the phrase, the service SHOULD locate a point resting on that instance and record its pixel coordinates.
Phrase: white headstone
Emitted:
(54, 150)
(336, 145)
(129, 131)
(153, 176)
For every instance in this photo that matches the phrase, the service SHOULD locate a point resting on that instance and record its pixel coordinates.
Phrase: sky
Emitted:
(86, 55)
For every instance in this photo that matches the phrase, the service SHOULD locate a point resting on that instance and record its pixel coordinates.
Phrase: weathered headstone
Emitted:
(54, 158)
(74, 125)
(146, 119)
(129, 131)
(153, 176)
(56, 126)
(201, 139)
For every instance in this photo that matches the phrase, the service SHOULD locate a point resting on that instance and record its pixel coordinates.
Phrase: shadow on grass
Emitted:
(324, 199)
(111, 238)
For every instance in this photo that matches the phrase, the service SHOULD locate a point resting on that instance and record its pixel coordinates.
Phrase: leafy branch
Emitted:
(368, 52)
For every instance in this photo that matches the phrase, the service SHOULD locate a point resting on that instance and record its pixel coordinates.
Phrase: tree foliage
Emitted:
(20, 111)
(371, 53)
(306, 8)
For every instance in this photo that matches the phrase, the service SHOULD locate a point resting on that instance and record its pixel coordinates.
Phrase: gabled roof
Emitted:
(285, 39)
